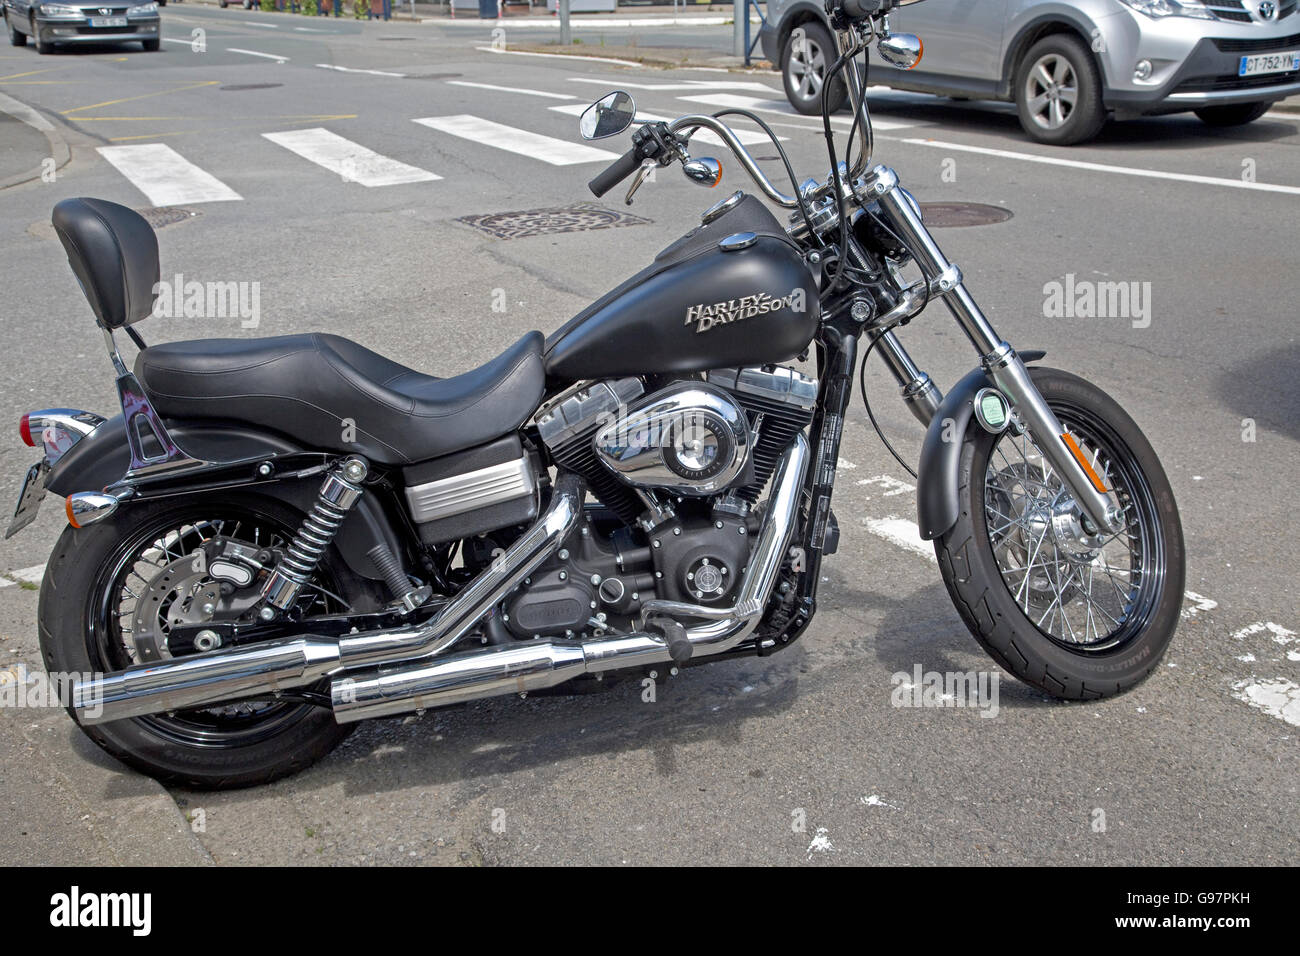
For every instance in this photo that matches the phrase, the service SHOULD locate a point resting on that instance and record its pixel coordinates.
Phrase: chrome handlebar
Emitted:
(723, 131)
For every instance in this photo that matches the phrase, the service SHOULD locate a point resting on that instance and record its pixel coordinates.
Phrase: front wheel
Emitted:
(113, 591)
(1058, 92)
(1078, 614)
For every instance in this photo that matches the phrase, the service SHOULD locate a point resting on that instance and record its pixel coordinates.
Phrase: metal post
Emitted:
(740, 11)
(565, 37)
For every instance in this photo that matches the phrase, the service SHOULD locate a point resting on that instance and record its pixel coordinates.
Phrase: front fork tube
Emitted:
(999, 359)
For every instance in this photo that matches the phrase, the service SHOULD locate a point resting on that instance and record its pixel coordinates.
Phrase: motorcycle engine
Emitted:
(677, 472)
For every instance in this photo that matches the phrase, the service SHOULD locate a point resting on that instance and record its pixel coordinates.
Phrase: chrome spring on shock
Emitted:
(338, 493)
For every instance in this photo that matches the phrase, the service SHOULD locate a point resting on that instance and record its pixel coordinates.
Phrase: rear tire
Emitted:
(809, 52)
(199, 749)
(981, 588)
(1058, 92)
(1238, 114)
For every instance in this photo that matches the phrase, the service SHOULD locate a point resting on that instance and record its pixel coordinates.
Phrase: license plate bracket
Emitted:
(30, 498)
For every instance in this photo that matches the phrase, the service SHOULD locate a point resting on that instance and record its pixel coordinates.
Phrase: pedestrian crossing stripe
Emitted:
(557, 152)
(352, 161)
(165, 176)
(747, 136)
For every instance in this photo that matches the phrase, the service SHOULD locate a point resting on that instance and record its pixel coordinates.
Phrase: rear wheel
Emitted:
(1238, 114)
(112, 592)
(1076, 614)
(809, 53)
(1058, 92)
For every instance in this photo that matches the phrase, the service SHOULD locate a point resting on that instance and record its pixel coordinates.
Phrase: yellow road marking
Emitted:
(142, 96)
(14, 76)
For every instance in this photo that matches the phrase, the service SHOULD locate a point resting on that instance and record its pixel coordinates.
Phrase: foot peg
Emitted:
(679, 646)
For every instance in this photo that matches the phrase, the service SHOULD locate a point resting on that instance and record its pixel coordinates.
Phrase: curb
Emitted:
(29, 115)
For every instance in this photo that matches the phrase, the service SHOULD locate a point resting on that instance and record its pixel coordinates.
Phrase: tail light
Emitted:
(25, 430)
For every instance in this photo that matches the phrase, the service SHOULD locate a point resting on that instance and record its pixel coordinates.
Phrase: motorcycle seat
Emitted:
(328, 392)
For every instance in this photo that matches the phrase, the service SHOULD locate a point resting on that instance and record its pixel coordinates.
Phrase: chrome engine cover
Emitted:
(690, 438)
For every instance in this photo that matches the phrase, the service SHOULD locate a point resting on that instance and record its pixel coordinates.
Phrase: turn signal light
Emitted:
(25, 430)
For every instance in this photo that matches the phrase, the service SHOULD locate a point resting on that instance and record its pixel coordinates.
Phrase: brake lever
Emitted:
(642, 175)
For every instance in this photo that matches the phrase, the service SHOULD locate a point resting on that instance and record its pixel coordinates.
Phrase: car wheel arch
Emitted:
(1048, 25)
(797, 17)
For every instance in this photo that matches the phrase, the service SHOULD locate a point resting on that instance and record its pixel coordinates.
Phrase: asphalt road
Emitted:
(795, 759)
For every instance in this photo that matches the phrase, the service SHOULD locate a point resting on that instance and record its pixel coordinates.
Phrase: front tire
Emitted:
(1238, 114)
(1077, 616)
(42, 47)
(1058, 92)
(151, 46)
(809, 52)
(16, 37)
(82, 618)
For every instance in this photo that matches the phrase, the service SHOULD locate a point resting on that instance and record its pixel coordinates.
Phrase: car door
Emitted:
(962, 44)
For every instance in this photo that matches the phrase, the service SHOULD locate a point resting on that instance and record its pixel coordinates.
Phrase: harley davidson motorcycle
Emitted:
(280, 537)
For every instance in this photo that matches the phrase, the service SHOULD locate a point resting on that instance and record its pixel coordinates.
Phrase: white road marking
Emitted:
(512, 89)
(892, 485)
(901, 532)
(269, 56)
(746, 136)
(1104, 167)
(686, 85)
(264, 26)
(165, 176)
(1280, 634)
(352, 161)
(756, 105)
(557, 152)
(348, 69)
(313, 30)
(1277, 697)
(32, 575)
(1199, 603)
(595, 23)
(561, 56)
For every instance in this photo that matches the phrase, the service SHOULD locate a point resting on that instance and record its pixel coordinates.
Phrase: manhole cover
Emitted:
(937, 215)
(250, 86)
(160, 216)
(580, 217)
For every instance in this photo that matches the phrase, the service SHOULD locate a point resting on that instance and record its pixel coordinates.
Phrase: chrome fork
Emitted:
(999, 359)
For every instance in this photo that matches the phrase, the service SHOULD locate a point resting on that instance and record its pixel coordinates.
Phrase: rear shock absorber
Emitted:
(340, 490)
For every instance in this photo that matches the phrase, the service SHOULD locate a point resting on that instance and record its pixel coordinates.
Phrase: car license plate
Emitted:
(108, 21)
(29, 499)
(1269, 63)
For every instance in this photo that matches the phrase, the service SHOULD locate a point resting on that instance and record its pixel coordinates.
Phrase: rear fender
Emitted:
(102, 458)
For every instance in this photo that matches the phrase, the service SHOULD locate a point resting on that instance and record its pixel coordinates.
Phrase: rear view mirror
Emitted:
(608, 116)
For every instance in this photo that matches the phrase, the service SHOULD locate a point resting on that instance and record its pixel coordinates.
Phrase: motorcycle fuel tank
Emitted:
(736, 299)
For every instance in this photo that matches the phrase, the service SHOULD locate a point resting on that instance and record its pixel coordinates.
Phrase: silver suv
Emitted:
(1067, 66)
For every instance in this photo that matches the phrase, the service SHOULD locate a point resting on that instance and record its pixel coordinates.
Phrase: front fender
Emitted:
(937, 473)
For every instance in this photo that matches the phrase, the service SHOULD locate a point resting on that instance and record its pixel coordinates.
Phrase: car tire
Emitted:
(222, 4)
(151, 46)
(42, 46)
(1051, 71)
(1238, 114)
(248, 4)
(802, 70)
(16, 37)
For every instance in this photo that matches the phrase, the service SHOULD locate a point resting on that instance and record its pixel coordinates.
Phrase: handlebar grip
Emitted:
(616, 172)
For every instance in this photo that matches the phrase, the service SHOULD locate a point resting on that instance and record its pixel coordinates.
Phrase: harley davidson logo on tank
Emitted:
(707, 316)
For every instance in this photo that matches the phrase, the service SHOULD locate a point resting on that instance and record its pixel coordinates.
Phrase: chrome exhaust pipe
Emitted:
(537, 665)
(221, 676)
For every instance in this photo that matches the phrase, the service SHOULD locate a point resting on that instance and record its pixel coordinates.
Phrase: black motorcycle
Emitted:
(280, 537)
